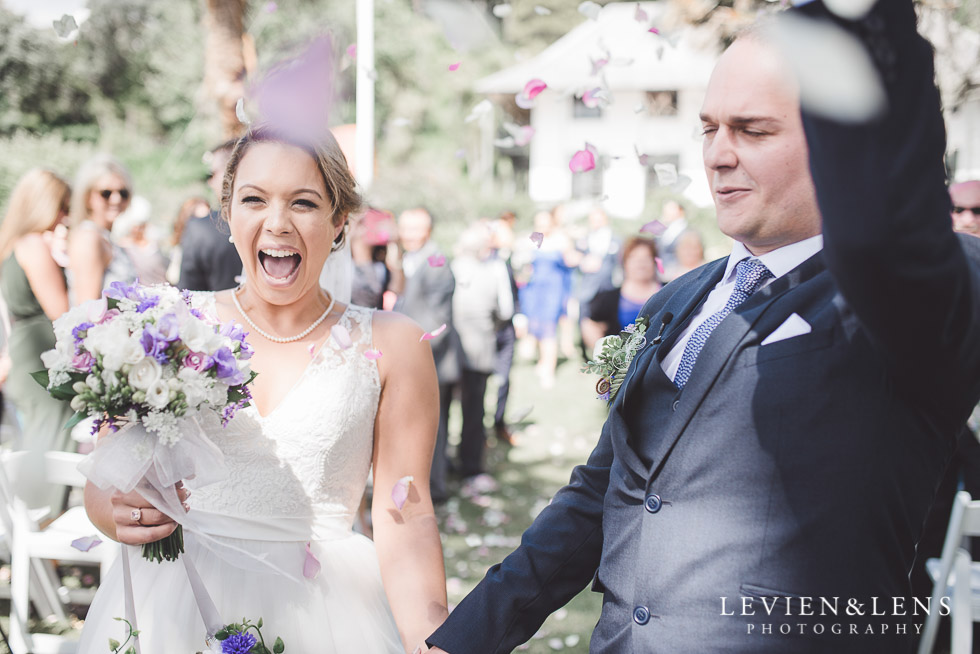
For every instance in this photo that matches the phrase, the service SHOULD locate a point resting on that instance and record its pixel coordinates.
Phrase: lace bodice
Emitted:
(310, 457)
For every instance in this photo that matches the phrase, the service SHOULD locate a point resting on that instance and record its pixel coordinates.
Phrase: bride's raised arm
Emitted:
(407, 539)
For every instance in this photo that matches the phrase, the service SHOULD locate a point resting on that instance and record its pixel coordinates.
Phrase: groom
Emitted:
(766, 467)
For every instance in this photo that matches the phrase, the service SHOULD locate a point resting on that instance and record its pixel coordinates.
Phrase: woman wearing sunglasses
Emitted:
(101, 194)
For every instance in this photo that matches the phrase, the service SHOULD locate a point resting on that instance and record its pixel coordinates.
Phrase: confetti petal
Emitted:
(64, 26)
(481, 109)
(506, 142)
(654, 227)
(595, 97)
(311, 566)
(589, 9)
(502, 11)
(639, 15)
(642, 158)
(271, 7)
(341, 336)
(312, 350)
(660, 264)
(372, 355)
(352, 50)
(533, 88)
(240, 112)
(454, 67)
(437, 260)
(582, 161)
(542, 11)
(537, 238)
(522, 134)
(428, 336)
(654, 30)
(598, 64)
(86, 543)
(666, 173)
(399, 492)
(522, 101)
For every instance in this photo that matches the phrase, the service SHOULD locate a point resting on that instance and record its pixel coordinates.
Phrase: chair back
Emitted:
(61, 468)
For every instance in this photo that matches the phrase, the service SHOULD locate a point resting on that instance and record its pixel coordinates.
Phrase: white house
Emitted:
(654, 89)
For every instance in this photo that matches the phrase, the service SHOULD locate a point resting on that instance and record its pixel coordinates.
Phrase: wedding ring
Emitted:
(136, 515)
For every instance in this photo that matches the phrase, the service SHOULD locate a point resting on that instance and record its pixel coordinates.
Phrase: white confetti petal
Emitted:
(542, 11)
(589, 9)
(240, 112)
(666, 173)
(482, 108)
(502, 11)
(64, 26)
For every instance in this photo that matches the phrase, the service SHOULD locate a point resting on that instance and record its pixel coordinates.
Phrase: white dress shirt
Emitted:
(779, 262)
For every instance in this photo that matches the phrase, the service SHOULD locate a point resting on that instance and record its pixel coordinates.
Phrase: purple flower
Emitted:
(233, 330)
(605, 396)
(82, 361)
(123, 291)
(198, 361)
(147, 303)
(228, 371)
(78, 333)
(197, 314)
(246, 351)
(168, 326)
(154, 343)
(240, 643)
(109, 315)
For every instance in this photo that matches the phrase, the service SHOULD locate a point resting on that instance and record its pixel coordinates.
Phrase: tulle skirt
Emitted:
(342, 609)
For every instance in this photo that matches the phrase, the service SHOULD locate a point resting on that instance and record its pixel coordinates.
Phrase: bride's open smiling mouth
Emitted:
(280, 267)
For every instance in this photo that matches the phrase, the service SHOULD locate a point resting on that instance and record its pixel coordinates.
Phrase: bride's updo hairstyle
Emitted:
(330, 161)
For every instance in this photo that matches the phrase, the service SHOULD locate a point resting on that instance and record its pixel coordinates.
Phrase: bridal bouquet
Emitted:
(144, 361)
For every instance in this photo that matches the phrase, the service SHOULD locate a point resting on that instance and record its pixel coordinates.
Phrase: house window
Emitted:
(653, 180)
(661, 103)
(589, 183)
(579, 110)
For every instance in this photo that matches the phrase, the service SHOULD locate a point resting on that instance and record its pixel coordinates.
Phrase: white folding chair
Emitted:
(33, 549)
(955, 576)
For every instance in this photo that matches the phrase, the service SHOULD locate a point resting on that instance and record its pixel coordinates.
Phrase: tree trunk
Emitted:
(224, 61)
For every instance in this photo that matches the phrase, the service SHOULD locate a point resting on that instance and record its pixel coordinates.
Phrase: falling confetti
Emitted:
(64, 26)
(506, 142)
(639, 15)
(582, 161)
(595, 97)
(454, 67)
(428, 336)
(654, 30)
(401, 121)
(312, 350)
(537, 238)
(525, 99)
(341, 337)
(598, 64)
(642, 158)
(311, 566)
(271, 7)
(589, 9)
(460, 154)
(352, 50)
(666, 173)
(542, 11)
(502, 11)
(437, 260)
(240, 112)
(654, 227)
(660, 265)
(86, 543)
(522, 134)
(372, 355)
(399, 492)
(483, 108)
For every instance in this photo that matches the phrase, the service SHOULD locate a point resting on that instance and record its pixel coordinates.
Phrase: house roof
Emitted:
(638, 59)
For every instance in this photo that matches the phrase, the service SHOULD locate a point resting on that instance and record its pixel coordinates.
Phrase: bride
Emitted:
(341, 390)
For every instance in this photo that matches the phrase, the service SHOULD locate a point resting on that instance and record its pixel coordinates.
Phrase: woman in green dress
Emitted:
(35, 292)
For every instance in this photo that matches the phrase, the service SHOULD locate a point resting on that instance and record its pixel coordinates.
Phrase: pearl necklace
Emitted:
(280, 339)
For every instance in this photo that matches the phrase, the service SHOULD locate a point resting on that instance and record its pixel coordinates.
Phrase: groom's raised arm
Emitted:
(888, 237)
(558, 555)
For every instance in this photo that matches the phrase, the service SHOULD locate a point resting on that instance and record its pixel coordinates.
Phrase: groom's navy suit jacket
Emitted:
(803, 468)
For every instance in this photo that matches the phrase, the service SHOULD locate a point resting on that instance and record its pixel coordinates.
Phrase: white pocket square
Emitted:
(792, 326)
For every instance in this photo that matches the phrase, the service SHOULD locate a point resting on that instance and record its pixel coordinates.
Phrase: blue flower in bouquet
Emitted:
(123, 291)
(169, 326)
(78, 333)
(155, 344)
(233, 330)
(147, 303)
(240, 643)
(227, 367)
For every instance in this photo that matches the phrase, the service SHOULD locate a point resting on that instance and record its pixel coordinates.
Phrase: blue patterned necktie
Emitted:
(749, 275)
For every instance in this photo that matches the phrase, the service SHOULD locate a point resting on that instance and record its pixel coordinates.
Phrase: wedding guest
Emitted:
(101, 194)
(299, 456)
(544, 298)
(600, 250)
(35, 293)
(209, 261)
(149, 262)
(428, 299)
(783, 432)
(483, 296)
(674, 216)
(193, 207)
(966, 207)
(372, 250)
(688, 254)
(502, 244)
(612, 310)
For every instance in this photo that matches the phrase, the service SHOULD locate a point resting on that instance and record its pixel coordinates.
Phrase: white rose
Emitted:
(195, 391)
(55, 360)
(597, 350)
(132, 351)
(196, 335)
(145, 374)
(158, 395)
(112, 360)
(218, 394)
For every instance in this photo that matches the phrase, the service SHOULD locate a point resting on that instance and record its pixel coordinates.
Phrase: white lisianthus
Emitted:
(195, 335)
(112, 360)
(218, 394)
(615, 340)
(56, 360)
(158, 395)
(93, 382)
(195, 391)
(145, 374)
(131, 350)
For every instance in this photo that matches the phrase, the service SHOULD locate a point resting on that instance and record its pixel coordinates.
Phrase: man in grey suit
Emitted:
(428, 300)
(766, 467)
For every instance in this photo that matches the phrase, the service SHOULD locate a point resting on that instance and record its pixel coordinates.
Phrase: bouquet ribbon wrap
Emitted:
(134, 459)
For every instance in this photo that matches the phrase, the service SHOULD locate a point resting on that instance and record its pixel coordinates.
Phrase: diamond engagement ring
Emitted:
(136, 515)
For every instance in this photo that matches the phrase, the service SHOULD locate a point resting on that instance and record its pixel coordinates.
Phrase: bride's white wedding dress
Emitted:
(296, 477)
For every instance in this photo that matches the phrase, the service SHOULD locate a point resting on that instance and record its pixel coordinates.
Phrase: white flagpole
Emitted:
(364, 96)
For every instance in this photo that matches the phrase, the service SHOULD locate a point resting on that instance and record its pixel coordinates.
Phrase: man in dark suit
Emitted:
(209, 260)
(428, 300)
(766, 467)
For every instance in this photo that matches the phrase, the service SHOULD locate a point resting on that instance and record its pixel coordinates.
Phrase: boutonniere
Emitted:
(612, 355)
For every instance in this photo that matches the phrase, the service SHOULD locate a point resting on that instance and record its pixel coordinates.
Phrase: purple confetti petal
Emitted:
(86, 543)
(311, 566)
(341, 336)
(399, 492)
(428, 336)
